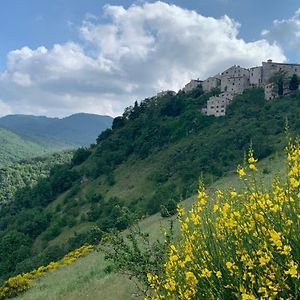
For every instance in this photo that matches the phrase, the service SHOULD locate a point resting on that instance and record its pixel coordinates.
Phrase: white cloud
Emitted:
(124, 55)
(4, 108)
(286, 33)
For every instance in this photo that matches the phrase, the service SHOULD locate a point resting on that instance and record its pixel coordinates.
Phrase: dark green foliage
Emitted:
(169, 209)
(92, 236)
(279, 79)
(110, 178)
(80, 155)
(27, 173)
(294, 83)
(51, 232)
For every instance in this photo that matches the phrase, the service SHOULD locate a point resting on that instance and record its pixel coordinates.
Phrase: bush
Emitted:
(169, 209)
(239, 245)
(81, 155)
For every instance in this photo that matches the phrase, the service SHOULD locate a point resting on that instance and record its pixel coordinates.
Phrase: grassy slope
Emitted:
(86, 279)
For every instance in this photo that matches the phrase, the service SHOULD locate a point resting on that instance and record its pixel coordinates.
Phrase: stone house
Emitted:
(216, 105)
(211, 83)
(269, 68)
(165, 93)
(192, 85)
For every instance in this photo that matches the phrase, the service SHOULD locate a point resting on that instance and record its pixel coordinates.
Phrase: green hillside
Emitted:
(24, 137)
(76, 130)
(28, 172)
(13, 148)
(87, 279)
(154, 155)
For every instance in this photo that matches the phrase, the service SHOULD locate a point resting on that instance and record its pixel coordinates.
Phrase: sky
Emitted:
(61, 57)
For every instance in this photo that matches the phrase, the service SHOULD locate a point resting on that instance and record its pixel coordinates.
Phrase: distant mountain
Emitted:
(25, 136)
(76, 130)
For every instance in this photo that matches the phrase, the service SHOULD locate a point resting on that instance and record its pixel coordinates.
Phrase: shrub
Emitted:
(239, 245)
(18, 284)
(169, 209)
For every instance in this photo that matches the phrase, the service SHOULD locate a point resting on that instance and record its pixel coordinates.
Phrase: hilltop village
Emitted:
(235, 80)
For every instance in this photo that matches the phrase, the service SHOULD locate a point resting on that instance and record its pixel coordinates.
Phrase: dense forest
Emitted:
(161, 146)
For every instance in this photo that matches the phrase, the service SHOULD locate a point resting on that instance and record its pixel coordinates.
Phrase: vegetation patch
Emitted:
(22, 282)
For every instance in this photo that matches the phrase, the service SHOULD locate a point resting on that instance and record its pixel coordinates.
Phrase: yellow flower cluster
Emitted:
(240, 245)
(22, 282)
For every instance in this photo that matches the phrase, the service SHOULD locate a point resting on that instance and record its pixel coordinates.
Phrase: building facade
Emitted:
(270, 68)
(194, 83)
(211, 83)
(216, 105)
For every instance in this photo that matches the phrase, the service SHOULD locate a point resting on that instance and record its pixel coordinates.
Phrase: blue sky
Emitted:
(103, 61)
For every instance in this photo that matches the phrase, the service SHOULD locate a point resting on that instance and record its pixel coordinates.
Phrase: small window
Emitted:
(222, 110)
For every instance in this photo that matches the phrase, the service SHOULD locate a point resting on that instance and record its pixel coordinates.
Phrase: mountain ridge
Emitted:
(25, 136)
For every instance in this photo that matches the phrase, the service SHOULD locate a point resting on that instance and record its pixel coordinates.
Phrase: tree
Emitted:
(294, 83)
(279, 80)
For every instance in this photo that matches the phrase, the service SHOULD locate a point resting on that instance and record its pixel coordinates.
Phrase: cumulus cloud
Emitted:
(285, 32)
(4, 109)
(124, 55)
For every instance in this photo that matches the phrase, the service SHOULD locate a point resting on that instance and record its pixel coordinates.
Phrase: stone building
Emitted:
(269, 91)
(165, 93)
(255, 76)
(234, 85)
(216, 105)
(192, 85)
(235, 71)
(269, 68)
(211, 83)
(235, 80)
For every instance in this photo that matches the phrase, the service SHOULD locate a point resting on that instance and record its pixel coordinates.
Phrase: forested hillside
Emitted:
(76, 130)
(14, 148)
(24, 137)
(151, 158)
(28, 172)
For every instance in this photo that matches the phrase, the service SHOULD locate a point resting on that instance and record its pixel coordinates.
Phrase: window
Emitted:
(222, 110)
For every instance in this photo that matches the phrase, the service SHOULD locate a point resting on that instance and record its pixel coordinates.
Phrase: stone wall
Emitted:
(255, 78)
(269, 68)
(192, 85)
(211, 83)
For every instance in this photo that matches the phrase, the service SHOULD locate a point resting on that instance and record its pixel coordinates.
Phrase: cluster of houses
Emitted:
(235, 80)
